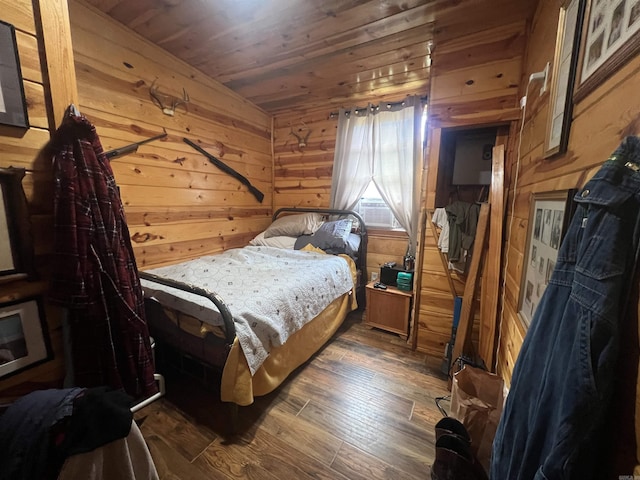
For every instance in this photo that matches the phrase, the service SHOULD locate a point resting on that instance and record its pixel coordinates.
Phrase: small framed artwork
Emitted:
(24, 338)
(8, 264)
(610, 37)
(16, 242)
(564, 73)
(13, 107)
(549, 218)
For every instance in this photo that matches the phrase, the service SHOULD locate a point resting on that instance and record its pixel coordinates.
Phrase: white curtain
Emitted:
(383, 145)
(352, 166)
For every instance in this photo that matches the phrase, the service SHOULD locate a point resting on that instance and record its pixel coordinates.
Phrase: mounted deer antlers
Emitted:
(302, 141)
(168, 103)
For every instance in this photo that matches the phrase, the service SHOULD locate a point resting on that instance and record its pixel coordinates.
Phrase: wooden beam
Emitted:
(417, 279)
(463, 336)
(52, 21)
(491, 281)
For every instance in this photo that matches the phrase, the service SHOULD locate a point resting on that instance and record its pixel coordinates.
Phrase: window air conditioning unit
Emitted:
(377, 214)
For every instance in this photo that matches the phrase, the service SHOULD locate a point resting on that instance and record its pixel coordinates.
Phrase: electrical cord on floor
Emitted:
(442, 399)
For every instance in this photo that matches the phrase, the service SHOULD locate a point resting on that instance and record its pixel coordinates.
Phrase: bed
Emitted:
(257, 313)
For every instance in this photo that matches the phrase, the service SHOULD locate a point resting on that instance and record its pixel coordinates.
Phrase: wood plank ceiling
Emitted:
(287, 55)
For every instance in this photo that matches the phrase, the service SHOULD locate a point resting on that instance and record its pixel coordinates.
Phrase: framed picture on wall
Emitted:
(549, 218)
(563, 76)
(24, 338)
(8, 264)
(13, 108)
(16, 241)
(610, 37)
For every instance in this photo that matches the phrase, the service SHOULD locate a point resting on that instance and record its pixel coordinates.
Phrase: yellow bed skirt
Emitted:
(240, 387)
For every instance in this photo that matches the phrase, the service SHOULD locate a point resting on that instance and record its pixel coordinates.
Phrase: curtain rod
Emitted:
(376, 107)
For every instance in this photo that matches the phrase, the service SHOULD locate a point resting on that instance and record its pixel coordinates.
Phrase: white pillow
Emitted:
(295, 225)
(278, 242)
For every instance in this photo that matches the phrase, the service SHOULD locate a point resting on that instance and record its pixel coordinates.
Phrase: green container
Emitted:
(404, 281)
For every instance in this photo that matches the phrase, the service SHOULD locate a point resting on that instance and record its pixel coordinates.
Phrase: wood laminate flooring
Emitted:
(362, 408)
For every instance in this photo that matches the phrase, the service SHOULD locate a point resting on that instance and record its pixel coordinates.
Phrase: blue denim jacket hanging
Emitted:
(563, 379)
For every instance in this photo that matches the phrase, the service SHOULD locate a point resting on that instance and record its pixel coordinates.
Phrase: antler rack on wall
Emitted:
(302, 141)
(168, 103)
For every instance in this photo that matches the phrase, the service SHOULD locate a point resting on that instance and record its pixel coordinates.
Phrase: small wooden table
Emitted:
(388, 309)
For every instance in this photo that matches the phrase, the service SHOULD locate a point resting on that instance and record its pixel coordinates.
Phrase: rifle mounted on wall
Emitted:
(227, 169)
(132, 147)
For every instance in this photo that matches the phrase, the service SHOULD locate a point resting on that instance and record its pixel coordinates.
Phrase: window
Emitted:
(371, 206)
(375, 212)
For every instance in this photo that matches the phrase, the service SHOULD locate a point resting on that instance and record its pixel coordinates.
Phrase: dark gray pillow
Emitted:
(332, 237)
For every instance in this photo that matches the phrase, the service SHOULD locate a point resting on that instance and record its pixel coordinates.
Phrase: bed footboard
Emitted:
(227, 318)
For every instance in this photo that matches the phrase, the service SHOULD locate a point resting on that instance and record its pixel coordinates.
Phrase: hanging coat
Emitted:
(94, 269)
(564, 378)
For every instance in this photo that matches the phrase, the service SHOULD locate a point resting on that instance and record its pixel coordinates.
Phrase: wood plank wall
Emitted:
(178, 205)
(475, 81)
(21, 148)
(600, 122)
(302, 175)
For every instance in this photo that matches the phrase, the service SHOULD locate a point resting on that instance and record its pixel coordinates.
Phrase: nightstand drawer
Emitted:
(388, 309)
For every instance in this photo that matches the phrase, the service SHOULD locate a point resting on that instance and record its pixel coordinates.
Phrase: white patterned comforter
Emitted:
(270, 292)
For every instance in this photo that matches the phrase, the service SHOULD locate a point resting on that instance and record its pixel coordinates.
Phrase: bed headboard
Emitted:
(361, 261)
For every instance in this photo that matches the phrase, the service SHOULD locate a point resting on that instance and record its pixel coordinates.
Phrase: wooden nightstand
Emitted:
(388, 309)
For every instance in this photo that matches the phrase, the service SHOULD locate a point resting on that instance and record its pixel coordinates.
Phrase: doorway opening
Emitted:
(464, 165)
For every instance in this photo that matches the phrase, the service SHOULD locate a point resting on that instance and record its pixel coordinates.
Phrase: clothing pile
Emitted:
(457, 222)
(39, 431)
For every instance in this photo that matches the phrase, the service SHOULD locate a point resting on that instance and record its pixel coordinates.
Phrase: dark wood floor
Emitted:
(362, 408)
